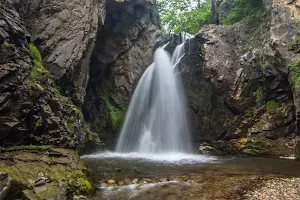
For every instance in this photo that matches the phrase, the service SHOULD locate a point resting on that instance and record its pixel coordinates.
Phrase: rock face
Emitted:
(65, 32)
(45, 53)
(241, 83)
(122, 52)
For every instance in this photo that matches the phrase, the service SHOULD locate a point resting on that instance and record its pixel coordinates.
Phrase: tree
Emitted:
(242, 9)
(184, 15)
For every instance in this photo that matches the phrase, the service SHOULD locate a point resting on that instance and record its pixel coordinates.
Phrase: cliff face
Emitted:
(51, 52)
(247, 99)
(122, 52)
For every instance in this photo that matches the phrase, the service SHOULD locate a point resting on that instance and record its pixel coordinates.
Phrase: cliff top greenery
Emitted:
(190, 15)
(184, 15)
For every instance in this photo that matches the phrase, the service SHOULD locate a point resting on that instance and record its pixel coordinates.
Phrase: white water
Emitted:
(134, 190)
(171, 158)
(156, 121)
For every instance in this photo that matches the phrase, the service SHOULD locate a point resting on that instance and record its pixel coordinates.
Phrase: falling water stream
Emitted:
(157, 120)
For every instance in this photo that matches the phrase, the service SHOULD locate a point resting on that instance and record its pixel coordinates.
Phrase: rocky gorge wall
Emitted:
(61, 63)
(241, 83)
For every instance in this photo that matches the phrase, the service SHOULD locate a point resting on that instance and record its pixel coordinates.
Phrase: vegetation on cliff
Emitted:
(184, 15)
(241, 9)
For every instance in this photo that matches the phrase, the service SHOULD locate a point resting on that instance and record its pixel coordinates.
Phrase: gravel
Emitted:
(277, 189)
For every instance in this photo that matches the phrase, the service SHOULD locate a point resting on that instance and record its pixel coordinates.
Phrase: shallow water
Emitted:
(163, 176)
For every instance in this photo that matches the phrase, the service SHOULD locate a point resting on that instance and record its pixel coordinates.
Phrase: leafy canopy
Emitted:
(184, 15)
(242, 9)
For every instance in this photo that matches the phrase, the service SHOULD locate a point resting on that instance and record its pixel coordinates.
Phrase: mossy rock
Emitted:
(39, 72)
(117, 109)
(59, 171)
(260, 146)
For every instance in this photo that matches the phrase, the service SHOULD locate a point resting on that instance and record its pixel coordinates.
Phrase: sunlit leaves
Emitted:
(184, 15)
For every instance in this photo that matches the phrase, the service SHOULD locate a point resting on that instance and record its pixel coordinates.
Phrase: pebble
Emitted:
(277, 189)
(110, 181)
(134, 181)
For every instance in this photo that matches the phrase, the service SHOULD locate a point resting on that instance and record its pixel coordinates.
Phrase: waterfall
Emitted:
(156, 121)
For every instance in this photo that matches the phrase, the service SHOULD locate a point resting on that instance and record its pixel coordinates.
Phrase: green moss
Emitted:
(92, 137)
(273, 107)
(74, 108)
(297, 39)
(249, 112)
(31, 195)
(6, 45)
(38, 69)
(258, 146)
(62, 167)
(38, 123)
(117, 113)
(35, 53)
(84, 185)
(294, 68)
(264, 65)
(79, 184)
(16, 175)
(247, 85)
(203, 50)
(259, 96)
(30, 148)
(248, 48)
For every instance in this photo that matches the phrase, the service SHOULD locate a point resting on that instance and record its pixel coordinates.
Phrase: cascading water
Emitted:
(156, 121)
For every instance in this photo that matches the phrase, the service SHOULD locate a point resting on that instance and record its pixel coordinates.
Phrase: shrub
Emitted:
(259, 96)
(273, 107)
(294, 69)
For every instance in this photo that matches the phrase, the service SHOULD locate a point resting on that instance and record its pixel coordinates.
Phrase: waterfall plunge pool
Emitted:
(162, 176)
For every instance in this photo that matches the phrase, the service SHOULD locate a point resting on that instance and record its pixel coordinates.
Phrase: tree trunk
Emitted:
(215, 12)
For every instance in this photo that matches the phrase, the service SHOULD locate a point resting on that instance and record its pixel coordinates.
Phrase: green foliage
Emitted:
(249, 112)
(6, 45)
(39, 123)
(297, 39)
(38, 69)
(273, 107)
(294, 68)
(117, 113)
(242, 9)
(264, 65)
(184, 15)
(259, 96)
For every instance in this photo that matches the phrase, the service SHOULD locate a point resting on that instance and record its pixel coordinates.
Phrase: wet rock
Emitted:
(104, 185)
(127, 181)
(205, 149)
(5, 185)
(120, 183)
(135, 181)
(32, 170)
(297, 150)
